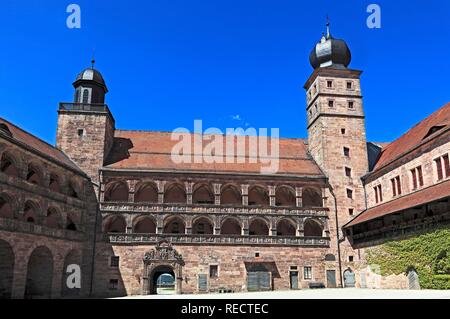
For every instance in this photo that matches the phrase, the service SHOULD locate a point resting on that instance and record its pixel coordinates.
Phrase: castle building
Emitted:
(117, 204)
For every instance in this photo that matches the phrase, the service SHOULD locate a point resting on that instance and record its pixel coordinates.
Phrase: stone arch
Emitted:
(55, 183)
(258, 196)
(116, 192)
(286, 227)
(202, 226)
(230, 195)
(35, 174)
(144, 225)
(146, 192)
(202, 194)
(312, 228)
(311, 197)
(174, 225)
(285, 196)
(231, 226)
(72, 258)
(6, 269)
(7, 209)
(175, 194)
(115, 224)
(53, 218)
(9, 165)
(349, 278)
(39, 274)
(258, 227)
(31, 212)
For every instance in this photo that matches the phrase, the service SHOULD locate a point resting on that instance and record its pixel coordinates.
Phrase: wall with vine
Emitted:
(428, 254)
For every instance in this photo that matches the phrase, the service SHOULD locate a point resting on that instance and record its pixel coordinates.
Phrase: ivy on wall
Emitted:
(428, 254)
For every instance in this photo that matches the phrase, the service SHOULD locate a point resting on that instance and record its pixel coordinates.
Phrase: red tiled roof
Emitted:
(152, 151)
(39, 145)
(414, 136)
(427, 195)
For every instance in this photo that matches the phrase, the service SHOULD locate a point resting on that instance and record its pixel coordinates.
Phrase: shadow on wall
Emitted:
(119, 150)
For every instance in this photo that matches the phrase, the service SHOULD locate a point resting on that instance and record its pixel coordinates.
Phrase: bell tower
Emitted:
(336, 128)
(86, 127)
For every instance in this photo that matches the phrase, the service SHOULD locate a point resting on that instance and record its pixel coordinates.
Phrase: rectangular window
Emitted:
(348, 172)
(343, 131)
(351, 211)
(414, 178)
(380, 193)
(399, 185)
(329, 84)
(114, 261)
(113, 284)
(351, 105)
(446, 165)
(213, 271)
(307, 273)
(349, 85)
(351, 259)
(440, 174)
(349, 193)
(375, 191)
(346, 151)
(394, 189)
(330, 103)
(420, 175)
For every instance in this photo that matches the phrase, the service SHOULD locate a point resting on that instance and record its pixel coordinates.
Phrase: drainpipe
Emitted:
(337, 236)
(97, 211)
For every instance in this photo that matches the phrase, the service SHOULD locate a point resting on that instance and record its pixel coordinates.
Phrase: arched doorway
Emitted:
(162, 280)
(349, 279)
(160, 261)
(6, 269)
(39, 274)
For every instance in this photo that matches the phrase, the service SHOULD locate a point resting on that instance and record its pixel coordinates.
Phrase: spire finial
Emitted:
(328, 27)
(93, 60)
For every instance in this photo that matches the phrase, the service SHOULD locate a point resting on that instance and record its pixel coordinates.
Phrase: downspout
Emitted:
(94, 247)
(337, 236)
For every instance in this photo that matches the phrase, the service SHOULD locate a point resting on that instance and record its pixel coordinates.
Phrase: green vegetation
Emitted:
(428, 254)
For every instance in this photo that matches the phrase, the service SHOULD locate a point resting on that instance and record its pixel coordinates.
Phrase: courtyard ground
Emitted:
(316, 294)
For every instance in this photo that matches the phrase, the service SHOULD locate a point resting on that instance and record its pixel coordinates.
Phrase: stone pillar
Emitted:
(217, 188)
(245, 227)
(188, 228)
(131, 190)
(298, 196)
(20, 276)
(58, 269)
(161, 186)
(129, 221)
(189, 186)
(159, 224)
(244, 191)
(272, 196)
(216, 225)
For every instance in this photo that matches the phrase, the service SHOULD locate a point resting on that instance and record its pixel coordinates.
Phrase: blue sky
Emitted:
(169, 62)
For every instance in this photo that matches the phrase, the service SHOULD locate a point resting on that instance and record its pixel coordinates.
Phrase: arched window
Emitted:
(116, 192)
(202, 226)
(174, 225)
(33, 175)
(53, 218)
(146, 193)
(175, 194)
(312, 228)
(30, 212)
(230, 196)
(54, 185)
(6, 208)
(77, 96)
(285, 196)
(72, 191)
(257, 196)
(202, 195)
(115, 224)
(231, 227)
(85, 96)
(258, 227)
(144, 225)
(311, 198)
(286, 228)
(7, 166)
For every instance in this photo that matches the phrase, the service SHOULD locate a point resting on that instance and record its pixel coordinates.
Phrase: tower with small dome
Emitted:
(86, 126)
(336, 126)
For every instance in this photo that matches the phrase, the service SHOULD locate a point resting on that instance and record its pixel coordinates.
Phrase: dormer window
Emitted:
(433, 130)
(5, 129)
